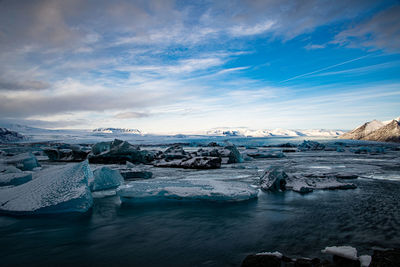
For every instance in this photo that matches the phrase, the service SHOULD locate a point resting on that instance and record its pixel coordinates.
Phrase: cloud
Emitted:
(131, 115)
(314, 46)
(379, 32)
(25, 85)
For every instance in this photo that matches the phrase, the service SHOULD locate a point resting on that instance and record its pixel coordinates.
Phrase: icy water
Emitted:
(195, 234)
(215, 234)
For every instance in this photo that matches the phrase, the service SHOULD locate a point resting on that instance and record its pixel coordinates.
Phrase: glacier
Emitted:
(186, 189)
(53, 190)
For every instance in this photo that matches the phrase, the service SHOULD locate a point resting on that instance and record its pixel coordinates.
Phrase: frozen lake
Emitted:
(216, 234)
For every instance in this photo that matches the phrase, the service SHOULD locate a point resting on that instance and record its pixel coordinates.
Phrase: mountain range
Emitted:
(387, 131)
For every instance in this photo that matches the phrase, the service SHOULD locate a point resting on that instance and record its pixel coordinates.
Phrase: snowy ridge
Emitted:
(245, 132)
(117, 130)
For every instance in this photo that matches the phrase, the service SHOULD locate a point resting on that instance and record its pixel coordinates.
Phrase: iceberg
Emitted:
(273, 179)
(346, 252)
(25, 161)
(119, 152)
(310, 145)
(186, 189)
(105, 178)
(54, 190)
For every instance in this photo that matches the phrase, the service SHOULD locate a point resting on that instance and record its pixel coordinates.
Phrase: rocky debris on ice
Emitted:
(7, 136)
(135, 171)
(228, 154)
(119, 152)
(57, 189)
(310, 145)
(176, 152)
(276, 179)
(66, 152)
(273, 179)
(186, 189)
(25, 161)
(191, 163)
(105, 178)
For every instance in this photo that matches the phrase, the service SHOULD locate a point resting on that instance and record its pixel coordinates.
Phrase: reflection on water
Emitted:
(207, 234)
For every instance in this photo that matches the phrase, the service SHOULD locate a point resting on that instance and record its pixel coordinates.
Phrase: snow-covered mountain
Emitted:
(245, 132)
(117, 131)
(363, 130)
(7, 136)
(387, 131)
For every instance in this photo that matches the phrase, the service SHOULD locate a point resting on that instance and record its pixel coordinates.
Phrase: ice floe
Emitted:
(54, 190)
(185, 189)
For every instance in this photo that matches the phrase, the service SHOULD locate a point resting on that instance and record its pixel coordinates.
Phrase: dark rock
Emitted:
(386, 258)
(175, 152)
(192, 163)
(289, 150)
(65, 152)
(261, 261)
(272, 155)
(119, 152)
(213, 144)
(346, 176)
(344, 262)
(286, 145)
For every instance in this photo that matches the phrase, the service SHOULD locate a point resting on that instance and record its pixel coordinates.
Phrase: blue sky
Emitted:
(187, 66)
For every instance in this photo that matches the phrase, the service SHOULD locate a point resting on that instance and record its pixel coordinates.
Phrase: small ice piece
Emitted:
(54, 190)
(185, 189)
(273, 179)
(105, 178)
(14, 178)
(365, 260)
(342, 251)
(276, 254)
(25, 161)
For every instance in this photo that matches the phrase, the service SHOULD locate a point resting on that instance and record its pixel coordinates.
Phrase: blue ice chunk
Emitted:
(105, 178)
(54, 190)
(25, 161)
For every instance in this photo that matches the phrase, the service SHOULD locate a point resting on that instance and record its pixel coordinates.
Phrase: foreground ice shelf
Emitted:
(185, 189)
(54, 190)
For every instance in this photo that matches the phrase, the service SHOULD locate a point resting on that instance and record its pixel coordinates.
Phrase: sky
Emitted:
(186, 66)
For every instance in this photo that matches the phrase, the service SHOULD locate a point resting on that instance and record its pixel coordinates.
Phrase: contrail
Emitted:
(326, 68)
